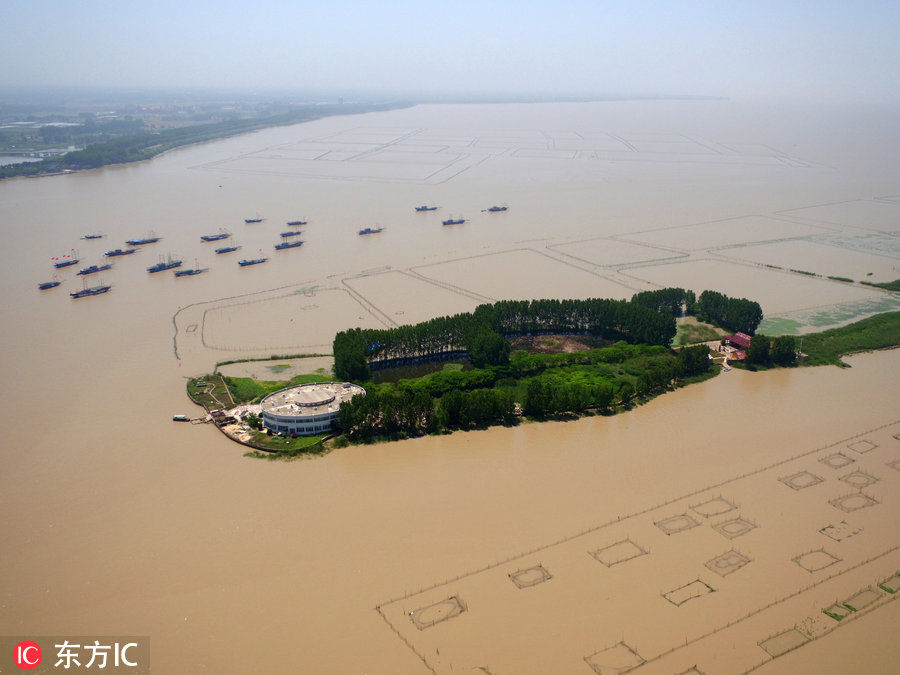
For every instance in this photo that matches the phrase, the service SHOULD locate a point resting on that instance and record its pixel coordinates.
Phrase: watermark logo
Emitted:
(112, 654)
(27, 655)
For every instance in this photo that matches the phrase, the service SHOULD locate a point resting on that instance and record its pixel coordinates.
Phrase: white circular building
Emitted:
(306, 409)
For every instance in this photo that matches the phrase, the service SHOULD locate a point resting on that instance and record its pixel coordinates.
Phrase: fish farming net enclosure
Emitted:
(617, 659)
(713, 507)
(801, 480)
(618, 552)
(676, 524)
(531, 576)
(427, 616)
(765, 565)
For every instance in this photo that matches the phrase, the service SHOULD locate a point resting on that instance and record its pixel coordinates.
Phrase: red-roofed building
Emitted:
(740, 340)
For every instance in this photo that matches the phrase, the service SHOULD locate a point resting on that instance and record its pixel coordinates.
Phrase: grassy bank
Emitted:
(876, 332)
(284, 447)
(691, 332)
(888, 285)
(209, 392)
(248, 390)
(273, 357)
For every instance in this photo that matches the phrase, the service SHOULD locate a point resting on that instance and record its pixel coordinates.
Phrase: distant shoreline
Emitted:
(140, 147)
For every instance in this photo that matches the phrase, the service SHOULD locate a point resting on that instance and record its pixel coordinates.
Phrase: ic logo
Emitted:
(27, 655)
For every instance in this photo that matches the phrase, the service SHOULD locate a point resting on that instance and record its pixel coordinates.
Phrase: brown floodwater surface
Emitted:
(118, 521)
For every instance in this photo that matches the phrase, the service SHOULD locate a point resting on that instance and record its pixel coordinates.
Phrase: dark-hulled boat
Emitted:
(143, 240)
(119, 251)
(93, 236)
(296, 222)
(93, 269)
(66, 263)
(253, 220)
(288, 244)
(291, 233)
(452, 221)
(227, 249)
(254, 261)
(371, 230)
(92, 290)
(190, 272)
(215, 237)
(164, 265)
(426, 208)
(48, 284)
(497, 209)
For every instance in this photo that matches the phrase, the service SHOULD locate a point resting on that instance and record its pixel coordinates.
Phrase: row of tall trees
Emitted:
(383, 413)
(411, 412)
(612, 319)
(482, 407)
(483, 332)
(547, 396)
(735, 314)
(673, 301)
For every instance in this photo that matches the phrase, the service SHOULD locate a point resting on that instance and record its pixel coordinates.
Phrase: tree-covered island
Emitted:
(627, 358)
(535, 360)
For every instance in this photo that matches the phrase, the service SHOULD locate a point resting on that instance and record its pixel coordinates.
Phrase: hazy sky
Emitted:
(824, 48)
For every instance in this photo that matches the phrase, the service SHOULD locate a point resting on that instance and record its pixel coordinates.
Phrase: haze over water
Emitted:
(122, 522)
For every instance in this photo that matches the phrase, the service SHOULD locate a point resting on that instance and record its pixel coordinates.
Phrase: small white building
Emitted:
(306, 409)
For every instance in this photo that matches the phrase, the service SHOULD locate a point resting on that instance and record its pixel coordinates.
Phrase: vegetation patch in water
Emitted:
(881, 331)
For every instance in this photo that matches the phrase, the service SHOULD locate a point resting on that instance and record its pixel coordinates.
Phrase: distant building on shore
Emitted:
(306, 409)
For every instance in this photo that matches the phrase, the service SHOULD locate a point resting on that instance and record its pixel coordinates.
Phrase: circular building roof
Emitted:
(305, 400)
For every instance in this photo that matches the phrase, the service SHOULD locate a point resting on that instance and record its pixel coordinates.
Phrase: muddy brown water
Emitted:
(120, 522)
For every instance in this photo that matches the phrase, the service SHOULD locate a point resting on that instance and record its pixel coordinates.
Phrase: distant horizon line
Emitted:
(97, 92)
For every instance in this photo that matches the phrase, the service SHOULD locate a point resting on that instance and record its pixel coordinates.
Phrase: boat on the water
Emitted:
(190, 272)
(371, 230)
(254, 261)
(253, 220)
(164, 265)
(215, 237)
(120, 251)
(291, 233)
(453, 221)
(426, 208)
(90, 290)
(143, 240)
(288, 244)
(180, 418)
(93, 269)
(93, 236)
(296, 222)
(227, 249)
(497, 209)
(49, 284)
(66, 262)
